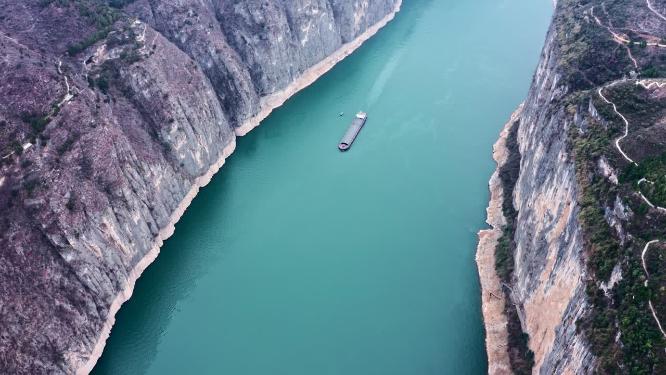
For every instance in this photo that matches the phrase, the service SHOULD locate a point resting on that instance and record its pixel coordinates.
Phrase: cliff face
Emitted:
(549, 267)
(547, 282)
(112, 115)
(573, 276)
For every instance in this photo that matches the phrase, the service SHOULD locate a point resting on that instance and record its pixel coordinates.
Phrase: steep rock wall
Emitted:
(578, 277)
(549, 266)
(548, 280)
(116, 140)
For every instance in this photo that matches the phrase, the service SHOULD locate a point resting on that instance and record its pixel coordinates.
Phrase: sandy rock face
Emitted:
(548, 281)
(549, 273)
(103, 148)
(492, 295)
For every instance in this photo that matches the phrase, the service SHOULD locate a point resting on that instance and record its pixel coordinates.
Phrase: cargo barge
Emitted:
(352, 131)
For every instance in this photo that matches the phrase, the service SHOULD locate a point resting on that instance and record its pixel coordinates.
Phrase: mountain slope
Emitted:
(568, 241)
(112, 115)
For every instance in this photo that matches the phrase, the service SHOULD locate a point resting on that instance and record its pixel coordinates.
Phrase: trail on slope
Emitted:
(647, 279)
(616, 37)
(624, 119)
(645, 199)
(623, 40)
(66, 99)
(649, 83)
(646, 84)
(655, 11)
(9, 37)
(68, 92)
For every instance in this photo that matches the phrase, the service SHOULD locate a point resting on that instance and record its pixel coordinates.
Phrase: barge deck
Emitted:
(352, 131)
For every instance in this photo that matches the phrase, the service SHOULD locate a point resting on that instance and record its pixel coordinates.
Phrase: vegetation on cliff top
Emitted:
(623, 313)
(619, 326)
(596, 43)
(99, 15)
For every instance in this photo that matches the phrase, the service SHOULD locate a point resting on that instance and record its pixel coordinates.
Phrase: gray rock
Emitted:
(152, 114)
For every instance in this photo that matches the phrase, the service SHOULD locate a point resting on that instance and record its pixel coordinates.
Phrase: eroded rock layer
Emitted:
(112, 115)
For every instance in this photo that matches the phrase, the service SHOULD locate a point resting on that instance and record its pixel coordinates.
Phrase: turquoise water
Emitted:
(301, 260)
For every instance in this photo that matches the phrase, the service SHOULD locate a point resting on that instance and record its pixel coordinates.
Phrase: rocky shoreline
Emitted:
(275, 100)
(492, 297)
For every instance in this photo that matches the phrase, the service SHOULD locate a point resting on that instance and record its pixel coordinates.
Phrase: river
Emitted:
(301, 260)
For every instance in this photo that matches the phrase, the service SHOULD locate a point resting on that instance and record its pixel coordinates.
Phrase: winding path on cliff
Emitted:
(68, 91)
(647, 279)
(13, 40)
(646, 84)
(624, 40)
(655, 11)
(624, 119)
(645, 199)
(616, 37)
(58, 105)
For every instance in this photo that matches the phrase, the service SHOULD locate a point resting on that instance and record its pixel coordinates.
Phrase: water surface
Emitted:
(301, 260)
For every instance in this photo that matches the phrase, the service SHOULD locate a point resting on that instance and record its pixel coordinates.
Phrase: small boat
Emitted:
(353, 130)
(341, 114)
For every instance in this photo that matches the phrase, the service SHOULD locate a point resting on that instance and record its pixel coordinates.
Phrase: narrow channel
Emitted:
(298, 259)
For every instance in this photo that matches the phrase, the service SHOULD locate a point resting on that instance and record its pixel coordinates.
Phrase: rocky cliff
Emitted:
(561, 260)
(112, 115)
(549, 271)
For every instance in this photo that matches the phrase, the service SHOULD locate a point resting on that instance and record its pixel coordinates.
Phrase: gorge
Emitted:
(297, 259)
